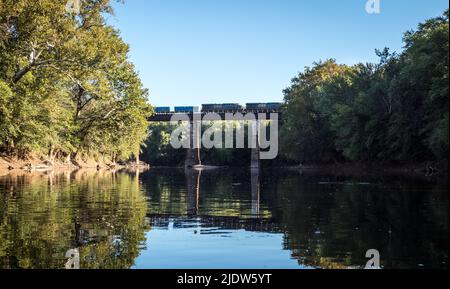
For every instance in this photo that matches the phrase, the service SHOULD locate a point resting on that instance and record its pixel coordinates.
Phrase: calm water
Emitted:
(221, 219)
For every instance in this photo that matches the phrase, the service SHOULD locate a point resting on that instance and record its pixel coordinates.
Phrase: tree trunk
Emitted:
(138, 161)
(51, 154)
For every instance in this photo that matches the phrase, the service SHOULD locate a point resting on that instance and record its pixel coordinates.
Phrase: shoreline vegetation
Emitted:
(68, 90)
(427, 171)
(71, 98)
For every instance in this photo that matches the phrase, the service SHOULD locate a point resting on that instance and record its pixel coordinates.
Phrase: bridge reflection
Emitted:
(193, 188)
(256, 191)
(253, 222)
(225, 223)
(193, 178)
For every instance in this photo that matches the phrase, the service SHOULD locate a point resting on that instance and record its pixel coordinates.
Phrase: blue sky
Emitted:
(190, 52)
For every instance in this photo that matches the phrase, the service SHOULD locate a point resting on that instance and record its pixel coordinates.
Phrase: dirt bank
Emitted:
(32, 163)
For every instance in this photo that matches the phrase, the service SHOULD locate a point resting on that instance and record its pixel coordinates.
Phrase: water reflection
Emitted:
(332, 221)
(42, 216)
(193, 190)
(221, 219)
(256, 191)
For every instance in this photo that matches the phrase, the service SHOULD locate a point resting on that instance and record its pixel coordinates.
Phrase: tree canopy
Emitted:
(393, 111)
(67, 86)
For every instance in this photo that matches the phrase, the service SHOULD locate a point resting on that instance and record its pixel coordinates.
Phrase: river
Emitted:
(226, 218)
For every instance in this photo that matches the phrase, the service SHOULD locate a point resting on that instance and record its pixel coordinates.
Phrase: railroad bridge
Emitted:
(260, 111)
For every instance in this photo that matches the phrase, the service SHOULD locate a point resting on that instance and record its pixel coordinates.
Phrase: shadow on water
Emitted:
(226, 218)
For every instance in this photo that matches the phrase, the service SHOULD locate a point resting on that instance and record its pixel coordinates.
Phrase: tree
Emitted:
(395, 111)
(75, 93)
(306, 134)
(425, 71)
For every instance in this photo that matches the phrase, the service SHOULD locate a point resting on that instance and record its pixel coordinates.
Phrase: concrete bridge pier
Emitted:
(255, 154)
(193, 153)
(255, 162)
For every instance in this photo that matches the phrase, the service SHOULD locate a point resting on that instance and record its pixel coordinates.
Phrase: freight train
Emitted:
(225, 107)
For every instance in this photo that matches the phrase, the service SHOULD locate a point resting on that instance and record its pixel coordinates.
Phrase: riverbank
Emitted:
(32, 163)
(428, 169)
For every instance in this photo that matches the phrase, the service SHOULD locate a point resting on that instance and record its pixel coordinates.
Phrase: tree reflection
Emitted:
(43, 216)
(332, 224)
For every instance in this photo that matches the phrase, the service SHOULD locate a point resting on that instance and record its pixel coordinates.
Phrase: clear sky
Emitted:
(190, 52)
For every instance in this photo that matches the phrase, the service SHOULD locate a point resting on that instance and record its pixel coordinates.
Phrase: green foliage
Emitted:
(306, 133)
(394, 111)
(158, 150)
(100, 213)
(73, 88)
(5, 114)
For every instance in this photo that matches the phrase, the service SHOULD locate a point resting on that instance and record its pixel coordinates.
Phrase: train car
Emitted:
(162, 109)
(274, 106)
(271, 106)
(186, 109)
(256, 106)
(210, 107)
(221, 107)
(232, 107)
